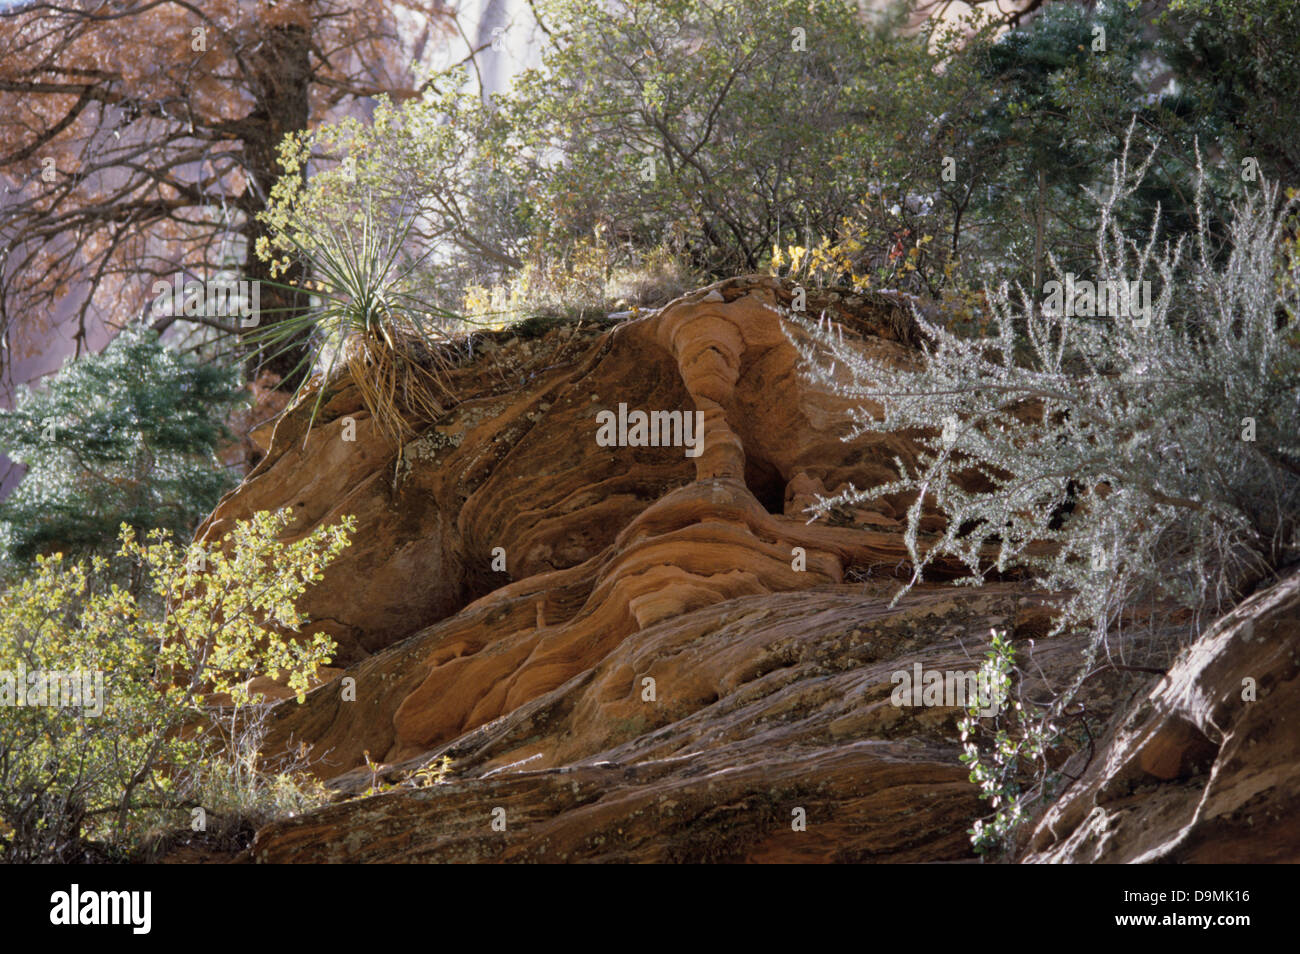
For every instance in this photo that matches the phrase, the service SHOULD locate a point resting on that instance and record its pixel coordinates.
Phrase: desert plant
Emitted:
(435, 164)
(435, 773)
(245, 787)
(1143, 463)
(374, 768)
(365, 314)
(1001, 746)
(1170, 433)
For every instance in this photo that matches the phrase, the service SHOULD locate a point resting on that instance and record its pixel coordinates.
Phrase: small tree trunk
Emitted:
(1040, 229)
(282, 69)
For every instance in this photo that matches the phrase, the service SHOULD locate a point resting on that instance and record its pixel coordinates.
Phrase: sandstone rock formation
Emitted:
(515, 464)
(674, 664)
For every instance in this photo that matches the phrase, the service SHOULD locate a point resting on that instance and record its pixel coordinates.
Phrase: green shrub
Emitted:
(712, 128)
(146, 749)
(735, 126)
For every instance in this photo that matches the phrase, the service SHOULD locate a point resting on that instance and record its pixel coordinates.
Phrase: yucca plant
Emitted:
(364, 314)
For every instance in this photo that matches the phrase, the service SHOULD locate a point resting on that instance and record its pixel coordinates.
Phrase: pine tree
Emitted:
(128, 435)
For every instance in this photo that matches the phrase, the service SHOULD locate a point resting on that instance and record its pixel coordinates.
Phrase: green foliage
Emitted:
(997, 756)
(708, 130)
(1059, 113)
(1011, 164)
(738, 135)
(731, 126)
(1065, 90)
(69, 774)
(829, 145)
(128, 435)
(1239, 60)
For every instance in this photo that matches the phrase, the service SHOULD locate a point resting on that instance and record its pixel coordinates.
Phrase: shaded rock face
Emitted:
(767, 708)
(1206, 767)
(674, 665)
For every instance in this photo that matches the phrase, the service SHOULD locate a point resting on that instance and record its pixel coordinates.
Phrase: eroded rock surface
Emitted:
(674, 665)
(515, 465)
